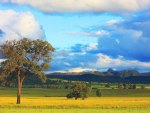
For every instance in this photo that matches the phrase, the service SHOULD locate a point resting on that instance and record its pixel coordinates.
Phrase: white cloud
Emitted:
(92, 6)
(80, 69)
(101, 33)
(67, 64)
(105, 61)
(98, 33)
(111, 22)
(92, 46)
(18, 25)
(127, 38)
(2, 60)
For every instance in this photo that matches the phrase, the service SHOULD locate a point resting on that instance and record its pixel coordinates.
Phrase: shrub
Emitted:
(119, 86)
(98, 93)
(142, 86)
(79, 90)
(107, 85)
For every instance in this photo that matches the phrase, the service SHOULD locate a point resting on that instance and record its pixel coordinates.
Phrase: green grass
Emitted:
(33, 92)
(46, 92)
(37, 110)
(124, 93)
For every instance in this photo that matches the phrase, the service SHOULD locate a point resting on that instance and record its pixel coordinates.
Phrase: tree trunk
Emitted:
(76, 98)
(19, 88)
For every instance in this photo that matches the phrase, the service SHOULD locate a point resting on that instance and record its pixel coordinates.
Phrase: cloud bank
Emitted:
(84, 6)
(106, 61)
(81, 58)
(123, 44)
(14, 25)
(129, 38)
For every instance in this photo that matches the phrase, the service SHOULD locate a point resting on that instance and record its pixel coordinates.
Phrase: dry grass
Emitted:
(62, 102)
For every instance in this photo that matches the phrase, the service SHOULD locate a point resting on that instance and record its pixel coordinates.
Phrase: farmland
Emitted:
(111, 98)
(90, 105)
(50, 97)
(62, 102)
(53, 100)
(47, 92)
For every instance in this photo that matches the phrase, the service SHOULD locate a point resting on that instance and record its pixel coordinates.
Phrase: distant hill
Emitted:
(109, 72)
(145, 74)
(112, 76)
(109, 76)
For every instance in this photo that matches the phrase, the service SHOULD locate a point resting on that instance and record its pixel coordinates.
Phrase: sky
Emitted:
(88, 35)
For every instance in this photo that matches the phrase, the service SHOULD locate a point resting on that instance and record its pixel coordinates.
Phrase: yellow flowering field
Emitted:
(62, 102)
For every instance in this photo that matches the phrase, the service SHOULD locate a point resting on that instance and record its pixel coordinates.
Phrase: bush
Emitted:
(119, 86)
(98, 93)
(79, 90)
(142, 86)
(125, 86)
(134, 86)
(70, 95)
(107, 85)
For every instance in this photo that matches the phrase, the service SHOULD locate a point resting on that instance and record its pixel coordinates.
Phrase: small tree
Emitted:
(107, 85)
(125, 86)
(23, 58)
(79, 90)
(98, 93)
(119, 86)
(142, 86)
(134, 86)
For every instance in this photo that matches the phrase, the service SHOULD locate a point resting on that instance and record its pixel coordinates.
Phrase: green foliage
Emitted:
(30, 57)
(98, 93)
(142, 86)
(57, 92)
(23, 58)
(134, 86)
(119, 86)
(107, 85)
(79, 90)
(129, 86)
(125, 86)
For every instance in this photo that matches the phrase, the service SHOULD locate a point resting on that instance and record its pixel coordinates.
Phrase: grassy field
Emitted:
(43, 100)
(113, 110)
(33, 92)
(63, 105)
(62, 102)
(46, 92)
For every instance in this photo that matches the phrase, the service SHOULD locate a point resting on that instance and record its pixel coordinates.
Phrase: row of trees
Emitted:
(130, 86)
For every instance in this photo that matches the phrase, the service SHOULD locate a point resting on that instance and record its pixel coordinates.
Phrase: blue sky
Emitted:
(87, 35)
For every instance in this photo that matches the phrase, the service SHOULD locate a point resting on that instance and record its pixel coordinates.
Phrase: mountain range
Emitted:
(112, 76)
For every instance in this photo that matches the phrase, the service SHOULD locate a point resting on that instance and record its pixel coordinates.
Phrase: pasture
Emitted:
(47, 92)
(62, 102)
(45, 100)
(63, 105)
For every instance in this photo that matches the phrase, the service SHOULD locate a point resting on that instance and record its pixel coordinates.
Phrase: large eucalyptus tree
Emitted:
(23, 58)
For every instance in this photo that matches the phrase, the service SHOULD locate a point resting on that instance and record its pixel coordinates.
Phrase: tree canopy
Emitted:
(79, 90)
(24, 58)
